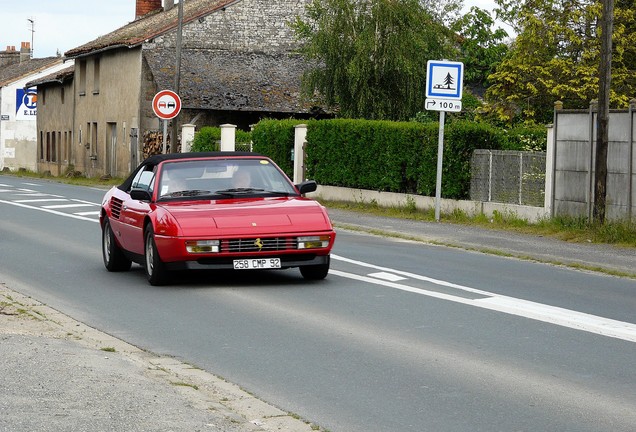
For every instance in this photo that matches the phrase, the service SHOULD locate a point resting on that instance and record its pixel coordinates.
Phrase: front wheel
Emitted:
(114, 258)
(156, 271)
(315, 272)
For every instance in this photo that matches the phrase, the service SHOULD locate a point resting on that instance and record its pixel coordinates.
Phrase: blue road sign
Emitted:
(444, 79)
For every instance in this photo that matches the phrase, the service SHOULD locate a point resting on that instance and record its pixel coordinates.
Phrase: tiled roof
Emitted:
(16, 71)
(57, 77)
(236, 81)
(149, 26)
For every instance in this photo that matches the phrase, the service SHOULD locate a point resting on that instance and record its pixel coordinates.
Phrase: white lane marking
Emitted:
(49, 211)
(411, 275)
(85, 202)
(513, 306)
(63, 206)
(90, 213)
(40, 200)
(387, 276)
(37, 194)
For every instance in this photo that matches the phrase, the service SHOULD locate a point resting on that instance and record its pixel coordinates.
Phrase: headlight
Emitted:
(203, 246)
(313, 242)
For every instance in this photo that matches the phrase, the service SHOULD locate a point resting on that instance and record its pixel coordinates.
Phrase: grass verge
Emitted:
(571, 229)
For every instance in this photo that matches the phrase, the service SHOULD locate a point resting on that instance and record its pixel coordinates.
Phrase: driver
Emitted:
(241, 179)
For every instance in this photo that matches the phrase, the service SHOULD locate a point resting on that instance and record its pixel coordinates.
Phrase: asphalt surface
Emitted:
(59, 375)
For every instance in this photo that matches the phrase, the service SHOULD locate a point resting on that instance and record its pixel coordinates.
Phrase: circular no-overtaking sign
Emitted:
(166, 104)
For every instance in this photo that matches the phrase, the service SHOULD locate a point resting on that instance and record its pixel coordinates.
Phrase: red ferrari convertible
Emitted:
(221, 210)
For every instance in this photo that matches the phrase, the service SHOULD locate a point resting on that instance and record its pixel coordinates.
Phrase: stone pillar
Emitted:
(187, 136)
(300, 138)
(228, 137)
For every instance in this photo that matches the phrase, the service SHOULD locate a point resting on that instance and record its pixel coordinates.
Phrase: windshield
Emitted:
(224, 177)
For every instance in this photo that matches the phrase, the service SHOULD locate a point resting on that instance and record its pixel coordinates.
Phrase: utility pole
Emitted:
(177, 75)
(602, 133)
(32, 23)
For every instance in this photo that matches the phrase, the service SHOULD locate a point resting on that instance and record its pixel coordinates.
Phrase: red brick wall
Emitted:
(145, 6)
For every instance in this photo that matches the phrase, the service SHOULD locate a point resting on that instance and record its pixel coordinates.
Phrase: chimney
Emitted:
(10, 56)
(146, 6)
(25, 51)
(168, 4)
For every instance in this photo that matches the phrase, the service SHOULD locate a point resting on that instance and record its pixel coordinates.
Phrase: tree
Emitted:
(556, 56)
(369, 57)
(482, 47)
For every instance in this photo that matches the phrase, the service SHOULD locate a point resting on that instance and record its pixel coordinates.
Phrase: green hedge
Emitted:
(275, 138)
(395, 156)
(389, 156)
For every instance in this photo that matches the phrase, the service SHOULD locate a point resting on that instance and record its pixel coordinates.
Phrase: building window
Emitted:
(41, 146)
(66, 151)
(93, 140)
(48, 147)
(96, 73)
(82, 77)
(53, 147)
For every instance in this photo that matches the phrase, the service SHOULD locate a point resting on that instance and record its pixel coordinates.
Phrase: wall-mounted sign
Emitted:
(26, 104)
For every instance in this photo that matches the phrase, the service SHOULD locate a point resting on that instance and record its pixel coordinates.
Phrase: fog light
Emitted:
(203, 246)
(313, 242)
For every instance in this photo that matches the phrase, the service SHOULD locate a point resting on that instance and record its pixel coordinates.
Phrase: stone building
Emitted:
(238, 65)
(19, 104)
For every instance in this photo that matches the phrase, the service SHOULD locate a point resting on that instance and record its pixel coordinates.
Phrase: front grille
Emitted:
(259, 244)
(115, 207)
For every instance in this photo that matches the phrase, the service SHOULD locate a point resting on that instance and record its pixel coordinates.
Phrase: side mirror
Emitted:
(307, 187)
(140, 195)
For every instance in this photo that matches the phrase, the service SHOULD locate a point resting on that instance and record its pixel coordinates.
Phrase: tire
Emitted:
(315, 272)
(156, 271)
(114, 258)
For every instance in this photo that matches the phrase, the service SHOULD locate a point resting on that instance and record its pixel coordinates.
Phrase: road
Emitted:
(401, 336)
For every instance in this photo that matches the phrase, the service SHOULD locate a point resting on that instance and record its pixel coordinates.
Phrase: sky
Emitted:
(61, 25)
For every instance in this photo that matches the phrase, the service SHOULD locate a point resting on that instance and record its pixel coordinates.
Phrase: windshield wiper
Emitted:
(187, 193)
(238, 191)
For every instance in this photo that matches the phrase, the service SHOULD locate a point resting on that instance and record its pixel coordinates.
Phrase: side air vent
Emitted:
(115, 207)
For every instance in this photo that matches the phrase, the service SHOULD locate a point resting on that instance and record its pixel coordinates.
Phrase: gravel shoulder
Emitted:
(61, 375)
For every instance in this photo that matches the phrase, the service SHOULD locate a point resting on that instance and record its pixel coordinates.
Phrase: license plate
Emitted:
(256, 263)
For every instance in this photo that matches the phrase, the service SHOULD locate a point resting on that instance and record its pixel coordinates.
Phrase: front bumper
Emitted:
(287, 261)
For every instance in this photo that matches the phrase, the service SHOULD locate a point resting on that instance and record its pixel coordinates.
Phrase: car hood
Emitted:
(248, 216)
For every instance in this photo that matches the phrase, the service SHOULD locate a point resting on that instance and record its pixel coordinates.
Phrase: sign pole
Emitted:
(440, 157)
(444, 86)
(165, 133)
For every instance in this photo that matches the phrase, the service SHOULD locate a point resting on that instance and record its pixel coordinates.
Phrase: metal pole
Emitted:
(165, 136)
(489, 175)
(630, 159)
(440, 156)
(520, 178)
